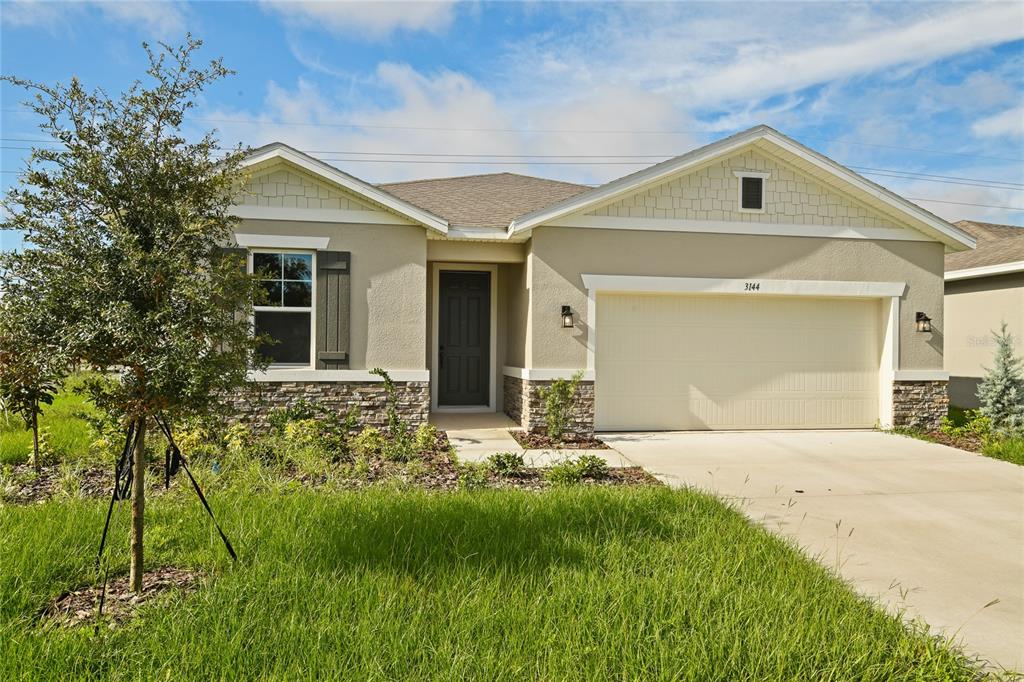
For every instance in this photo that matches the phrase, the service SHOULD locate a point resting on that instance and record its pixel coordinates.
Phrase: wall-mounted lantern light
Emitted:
(924, 323)
(566, 316)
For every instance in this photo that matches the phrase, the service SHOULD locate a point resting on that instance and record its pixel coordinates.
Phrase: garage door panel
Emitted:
(735, 362)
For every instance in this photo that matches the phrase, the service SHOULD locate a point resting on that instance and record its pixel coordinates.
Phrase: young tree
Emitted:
(125, 223)
(1001, 392)
(31, 362)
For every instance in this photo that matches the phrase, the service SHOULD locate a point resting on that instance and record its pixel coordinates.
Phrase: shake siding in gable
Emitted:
(712, 193)
(290, 188)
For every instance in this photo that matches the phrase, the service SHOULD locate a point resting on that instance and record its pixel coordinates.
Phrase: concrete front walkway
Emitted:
(477, 436)
(926, 528)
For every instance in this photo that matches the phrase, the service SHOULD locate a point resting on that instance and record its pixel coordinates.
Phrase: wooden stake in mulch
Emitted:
(123, 479)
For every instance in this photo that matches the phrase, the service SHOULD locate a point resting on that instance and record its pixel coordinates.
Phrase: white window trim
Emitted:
(889, 292)
(290, 309)
(492, 403)
(546, 374)
(739, 189)
(281, 241)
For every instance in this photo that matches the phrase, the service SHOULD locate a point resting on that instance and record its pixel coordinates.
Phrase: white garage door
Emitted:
(681, 362)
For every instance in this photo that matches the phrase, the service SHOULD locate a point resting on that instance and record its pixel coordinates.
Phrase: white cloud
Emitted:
(436, 104)
(161, 18)
(1009, 123)
(372, 19)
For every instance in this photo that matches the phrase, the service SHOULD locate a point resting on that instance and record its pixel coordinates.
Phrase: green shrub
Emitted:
(592, 466)
(506, 463)
(1001, 391)
(967, 424)
(300, 410)
(369, 443)
(472, 475)
(558, 400)
(426, 438)
(570, 472)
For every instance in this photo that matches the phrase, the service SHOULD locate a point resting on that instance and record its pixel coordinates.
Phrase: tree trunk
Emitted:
(35, 441)
(138, 505)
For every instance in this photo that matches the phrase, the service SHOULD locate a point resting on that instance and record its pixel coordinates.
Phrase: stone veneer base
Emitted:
(254, 404)
(919, 404)
(523, 404)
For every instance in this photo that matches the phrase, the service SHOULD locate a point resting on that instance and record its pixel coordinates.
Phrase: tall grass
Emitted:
(571, 584)
(67, 433)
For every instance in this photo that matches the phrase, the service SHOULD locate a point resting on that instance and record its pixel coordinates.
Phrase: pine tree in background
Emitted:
(1002, 390)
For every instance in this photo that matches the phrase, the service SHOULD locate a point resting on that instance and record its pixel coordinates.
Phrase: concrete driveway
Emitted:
(923, 527)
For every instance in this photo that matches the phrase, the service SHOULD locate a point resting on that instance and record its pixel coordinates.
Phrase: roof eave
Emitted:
(279, 150)
(952, 237)
(985, 271)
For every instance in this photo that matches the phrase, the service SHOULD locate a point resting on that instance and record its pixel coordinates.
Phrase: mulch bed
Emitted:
(26, 486)
(539, 441)
(80, 607)
(971, 442)
(433, 470)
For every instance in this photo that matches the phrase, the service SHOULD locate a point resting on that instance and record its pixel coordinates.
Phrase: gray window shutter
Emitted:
(333, 289)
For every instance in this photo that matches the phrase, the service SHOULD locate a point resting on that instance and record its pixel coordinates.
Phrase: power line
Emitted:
(483, 157)
(938, 201)
(565, 131)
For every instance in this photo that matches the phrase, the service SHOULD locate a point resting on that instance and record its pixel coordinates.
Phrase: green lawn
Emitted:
(573, 583)
(69, 435)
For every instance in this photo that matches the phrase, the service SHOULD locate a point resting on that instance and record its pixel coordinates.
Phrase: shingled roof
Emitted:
(997, 244)
(491, 200)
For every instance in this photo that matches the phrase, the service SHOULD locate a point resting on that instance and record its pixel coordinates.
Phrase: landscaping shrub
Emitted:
(570, 472)
(472, 475)
(1001, 392)
(368, 443)
(506, 463)
(558, 400)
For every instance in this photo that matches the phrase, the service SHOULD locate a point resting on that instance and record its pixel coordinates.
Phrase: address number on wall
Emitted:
(752, 286)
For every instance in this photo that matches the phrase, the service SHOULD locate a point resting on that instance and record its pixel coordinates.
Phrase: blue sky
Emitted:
(593, 91)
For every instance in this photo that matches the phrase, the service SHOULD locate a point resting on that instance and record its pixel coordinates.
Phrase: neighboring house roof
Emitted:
(275, 151)
(803, 157)
(491, 200)
(1000, 250)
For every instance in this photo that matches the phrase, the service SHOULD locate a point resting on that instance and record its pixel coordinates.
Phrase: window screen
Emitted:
(284, 311)
(752, 194)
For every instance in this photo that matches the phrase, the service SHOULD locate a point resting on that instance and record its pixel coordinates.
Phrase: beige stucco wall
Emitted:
(286, 186)
(974, 309)
(560, 255)
(712, 193)
(388, 287)
(518, 302)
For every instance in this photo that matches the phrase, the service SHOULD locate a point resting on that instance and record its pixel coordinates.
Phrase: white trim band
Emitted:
(282, 241)
(985, 271)
(730, 227)
(778, 287)
(317, 215)
(337, 375)
(921, 375)
(543, 374)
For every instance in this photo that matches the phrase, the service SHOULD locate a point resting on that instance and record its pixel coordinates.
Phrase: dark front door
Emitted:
(464, 338)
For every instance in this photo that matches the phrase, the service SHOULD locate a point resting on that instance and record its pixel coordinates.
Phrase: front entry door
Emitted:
(464, 338)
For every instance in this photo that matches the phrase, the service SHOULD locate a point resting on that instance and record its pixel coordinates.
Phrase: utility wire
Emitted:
(558, 131)
(484, 159)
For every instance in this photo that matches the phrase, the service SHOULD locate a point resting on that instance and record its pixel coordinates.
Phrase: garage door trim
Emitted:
(889, 292)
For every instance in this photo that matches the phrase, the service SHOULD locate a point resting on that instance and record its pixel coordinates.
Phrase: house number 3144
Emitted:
(751, 286)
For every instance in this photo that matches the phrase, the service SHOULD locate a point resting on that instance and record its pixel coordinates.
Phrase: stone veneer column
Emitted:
(919, 404)
(524, 404)
(254, 403)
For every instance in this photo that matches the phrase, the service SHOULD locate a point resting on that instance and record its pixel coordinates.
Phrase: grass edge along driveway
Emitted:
(573, 583)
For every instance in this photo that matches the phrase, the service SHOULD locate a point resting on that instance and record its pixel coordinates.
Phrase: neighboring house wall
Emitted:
(974, 309)
(711, 194)
(561, 255)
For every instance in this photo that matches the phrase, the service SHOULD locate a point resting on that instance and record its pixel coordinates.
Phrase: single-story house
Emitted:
(984, 288)
(752, 283)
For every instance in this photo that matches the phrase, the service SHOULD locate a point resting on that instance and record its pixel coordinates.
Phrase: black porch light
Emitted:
(924, 323)
(566, 316)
